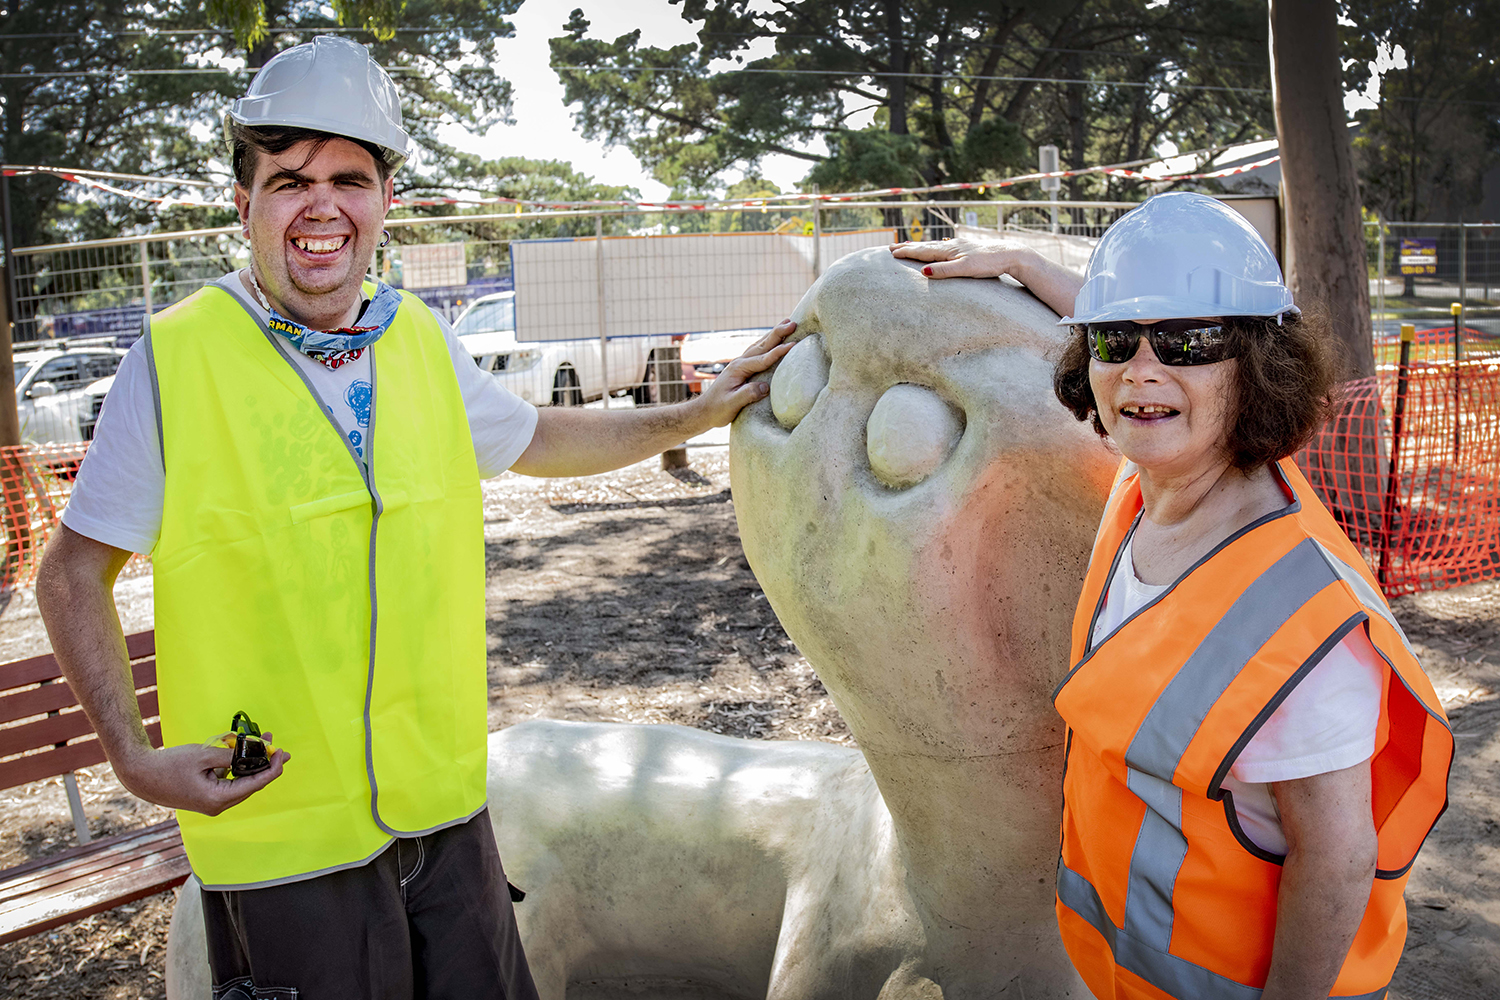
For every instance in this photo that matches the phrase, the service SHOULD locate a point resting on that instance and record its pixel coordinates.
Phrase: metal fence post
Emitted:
(146, 276)
(10, 420)
(817, 207)
(1380, 271)
(603, 333)
(1408, 334)
(1463, 266)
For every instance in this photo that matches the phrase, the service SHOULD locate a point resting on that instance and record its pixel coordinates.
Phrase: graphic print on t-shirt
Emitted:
(359, 397)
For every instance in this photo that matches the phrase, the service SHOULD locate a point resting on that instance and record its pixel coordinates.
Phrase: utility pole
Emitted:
(1047, 164)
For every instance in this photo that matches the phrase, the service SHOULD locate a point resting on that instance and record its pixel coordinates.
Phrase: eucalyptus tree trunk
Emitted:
(1325, 248)
(1325, 252)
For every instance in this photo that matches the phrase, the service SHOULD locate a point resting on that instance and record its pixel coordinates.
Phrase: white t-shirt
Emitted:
(1327, 723)
(117, 498)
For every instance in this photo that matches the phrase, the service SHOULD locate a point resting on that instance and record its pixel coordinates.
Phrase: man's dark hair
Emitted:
(249, 141)
(1282, 391)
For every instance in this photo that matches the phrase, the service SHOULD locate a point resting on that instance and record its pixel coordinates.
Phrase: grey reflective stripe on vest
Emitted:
(1372, 601)
(1141, 946)
(1174, 975)
(1159, 850)
(150, 352)
(1251, 621)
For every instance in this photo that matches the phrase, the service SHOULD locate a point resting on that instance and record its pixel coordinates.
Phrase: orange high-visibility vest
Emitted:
(1159, 892)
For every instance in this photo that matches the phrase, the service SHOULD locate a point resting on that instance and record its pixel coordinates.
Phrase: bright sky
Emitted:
(544, 129)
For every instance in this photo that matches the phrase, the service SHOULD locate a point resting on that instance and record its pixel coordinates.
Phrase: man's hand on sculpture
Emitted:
(964, 258)
(734, 388)
(188, 777)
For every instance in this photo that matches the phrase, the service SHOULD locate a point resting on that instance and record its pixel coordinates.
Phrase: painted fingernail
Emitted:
(927, 271)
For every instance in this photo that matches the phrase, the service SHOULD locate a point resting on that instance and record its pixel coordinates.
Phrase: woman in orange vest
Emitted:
(1254, 755)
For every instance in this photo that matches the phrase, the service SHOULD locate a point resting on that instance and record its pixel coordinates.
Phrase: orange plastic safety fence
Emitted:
(34, 484)
(1432, 525)
(1410, 467)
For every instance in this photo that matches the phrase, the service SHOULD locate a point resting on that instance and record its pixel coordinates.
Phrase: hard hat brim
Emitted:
(393, 158)
(1159, 307)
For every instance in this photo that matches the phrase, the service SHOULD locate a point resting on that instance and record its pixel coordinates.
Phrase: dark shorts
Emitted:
(429, 917)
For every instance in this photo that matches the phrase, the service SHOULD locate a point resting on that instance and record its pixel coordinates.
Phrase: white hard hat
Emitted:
(1180, 256)
(329, 84)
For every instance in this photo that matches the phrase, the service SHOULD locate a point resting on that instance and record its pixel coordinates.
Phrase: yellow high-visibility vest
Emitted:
(342, 609)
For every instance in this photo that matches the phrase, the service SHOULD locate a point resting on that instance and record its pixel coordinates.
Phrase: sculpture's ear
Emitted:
(806, 318)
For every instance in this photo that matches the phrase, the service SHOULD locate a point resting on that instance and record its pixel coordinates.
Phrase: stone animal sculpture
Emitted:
(919, 509)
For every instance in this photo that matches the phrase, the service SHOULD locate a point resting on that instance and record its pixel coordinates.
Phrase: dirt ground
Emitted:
(627, 598)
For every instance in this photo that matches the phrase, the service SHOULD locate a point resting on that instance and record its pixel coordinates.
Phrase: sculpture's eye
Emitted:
(799, 378)
(910, 433)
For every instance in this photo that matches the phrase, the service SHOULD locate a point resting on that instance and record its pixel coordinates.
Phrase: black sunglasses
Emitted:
(1175, 341)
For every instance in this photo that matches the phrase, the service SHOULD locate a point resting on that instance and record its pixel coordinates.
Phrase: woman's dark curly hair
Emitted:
(1282, 391)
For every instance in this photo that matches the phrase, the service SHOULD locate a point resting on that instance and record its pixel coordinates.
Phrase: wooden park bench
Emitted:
(44, 734)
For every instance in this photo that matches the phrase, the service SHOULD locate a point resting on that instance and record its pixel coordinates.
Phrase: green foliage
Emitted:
(441, 54)
(131, 107)
(1424, 151)
(246, 19)
(511, 177)
(960, 87)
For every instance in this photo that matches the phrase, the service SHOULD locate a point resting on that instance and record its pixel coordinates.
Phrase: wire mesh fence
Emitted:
(633, 308)
(1420, 272)
(616, 308)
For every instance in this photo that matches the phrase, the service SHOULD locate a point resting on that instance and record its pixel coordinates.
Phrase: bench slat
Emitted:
(52, 697)
(81, 862)
(127, 883)
(62, 885)
(51, 763)
(40, 668)
(29, 671)
(81, 881)
(99, 884)
(57, 729)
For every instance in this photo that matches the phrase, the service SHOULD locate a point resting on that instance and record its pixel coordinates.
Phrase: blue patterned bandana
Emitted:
(342, 344)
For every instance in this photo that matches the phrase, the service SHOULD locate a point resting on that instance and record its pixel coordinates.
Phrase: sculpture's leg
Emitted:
(187, 948)
(546, 946)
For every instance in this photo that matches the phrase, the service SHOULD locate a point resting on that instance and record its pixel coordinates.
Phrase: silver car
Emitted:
(53, 401)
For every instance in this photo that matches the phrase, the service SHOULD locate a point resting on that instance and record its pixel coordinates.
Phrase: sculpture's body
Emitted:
(919, 510)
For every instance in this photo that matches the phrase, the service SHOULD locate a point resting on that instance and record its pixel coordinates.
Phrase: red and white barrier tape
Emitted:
(521, 204)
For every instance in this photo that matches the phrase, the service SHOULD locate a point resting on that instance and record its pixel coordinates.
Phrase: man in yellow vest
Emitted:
(300, 453)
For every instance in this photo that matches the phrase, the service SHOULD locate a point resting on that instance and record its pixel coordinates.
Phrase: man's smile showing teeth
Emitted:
(323, 244)
(1147, 411)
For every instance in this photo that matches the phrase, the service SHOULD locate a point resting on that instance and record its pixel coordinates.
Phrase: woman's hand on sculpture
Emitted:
(964, 258)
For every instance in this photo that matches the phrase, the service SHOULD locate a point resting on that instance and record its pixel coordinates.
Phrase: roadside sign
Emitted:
(1418, 256)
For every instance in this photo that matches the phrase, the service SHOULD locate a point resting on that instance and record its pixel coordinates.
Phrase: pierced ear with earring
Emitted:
(385, 237)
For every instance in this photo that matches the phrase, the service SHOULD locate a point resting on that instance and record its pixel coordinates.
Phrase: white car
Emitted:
(559, 372)
(52, 390)
(705, 355)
